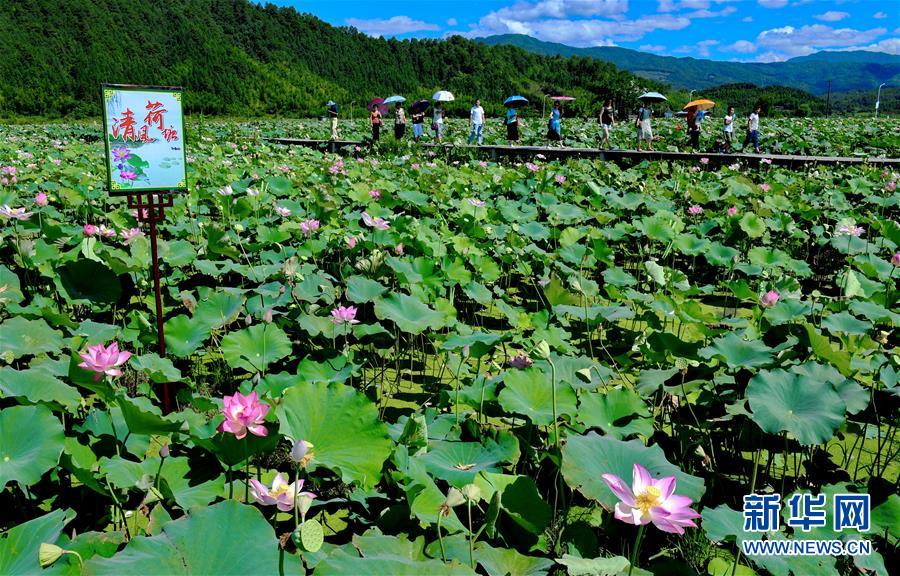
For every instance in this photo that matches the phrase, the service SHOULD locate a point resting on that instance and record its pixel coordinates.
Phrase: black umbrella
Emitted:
(419, 106)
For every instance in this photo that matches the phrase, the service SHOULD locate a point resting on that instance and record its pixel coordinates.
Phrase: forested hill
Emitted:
(239, 58)
(843, 70)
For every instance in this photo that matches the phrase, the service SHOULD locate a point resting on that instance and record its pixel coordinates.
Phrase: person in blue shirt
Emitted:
(554, 128)
(512, 125)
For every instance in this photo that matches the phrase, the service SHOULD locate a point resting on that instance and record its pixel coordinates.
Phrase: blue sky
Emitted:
(746, 30)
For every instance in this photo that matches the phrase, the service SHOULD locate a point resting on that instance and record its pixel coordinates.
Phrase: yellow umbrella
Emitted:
(701, 104)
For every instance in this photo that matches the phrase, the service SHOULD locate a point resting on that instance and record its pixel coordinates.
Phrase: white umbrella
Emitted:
(443, 96)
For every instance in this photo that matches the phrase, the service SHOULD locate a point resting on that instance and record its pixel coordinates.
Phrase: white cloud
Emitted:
(772, 3)
(889, 46)
(673, 5)
(390, 26)
(452, 22)
(652, 48)
(700, 49)
(787, 41)
(879, 15)
(832, 16)
(561, 10)
(704, 13)
(581, 33)
(747, 19)
(741, 46)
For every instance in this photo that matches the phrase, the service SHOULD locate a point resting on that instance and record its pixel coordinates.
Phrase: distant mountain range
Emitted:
(853, 70)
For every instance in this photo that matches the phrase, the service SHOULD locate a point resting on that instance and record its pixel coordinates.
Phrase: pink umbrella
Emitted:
(379, 102)
(562, 98)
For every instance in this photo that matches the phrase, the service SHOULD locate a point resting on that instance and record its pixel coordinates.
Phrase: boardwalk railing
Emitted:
(619, 156)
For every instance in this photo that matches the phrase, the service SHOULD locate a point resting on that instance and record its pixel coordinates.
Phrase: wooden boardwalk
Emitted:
(624, 157)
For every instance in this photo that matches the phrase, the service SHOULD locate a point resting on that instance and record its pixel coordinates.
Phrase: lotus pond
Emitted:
(404, 363)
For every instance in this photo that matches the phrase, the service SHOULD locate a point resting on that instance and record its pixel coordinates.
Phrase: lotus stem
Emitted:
(635, 551)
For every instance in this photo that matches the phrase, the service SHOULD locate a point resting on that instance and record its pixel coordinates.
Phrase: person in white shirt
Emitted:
(728, 128)
(753, 129)
(476, 119)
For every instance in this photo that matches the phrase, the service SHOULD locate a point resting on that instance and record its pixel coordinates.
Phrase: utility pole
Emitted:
(828, 102)
(878, 100)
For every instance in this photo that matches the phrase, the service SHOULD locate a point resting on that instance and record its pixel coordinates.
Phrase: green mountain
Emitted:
(236, 57)
(844, 70)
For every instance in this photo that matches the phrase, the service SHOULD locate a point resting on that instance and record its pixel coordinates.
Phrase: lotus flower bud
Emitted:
(542, 349)
(164, 450)
(472, 492)
(301, 453)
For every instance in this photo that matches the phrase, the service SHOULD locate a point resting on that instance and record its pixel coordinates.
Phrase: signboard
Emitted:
(144, 139)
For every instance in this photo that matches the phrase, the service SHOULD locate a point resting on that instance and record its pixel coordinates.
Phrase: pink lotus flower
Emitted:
(104, 360)
(127, 174)
(415, 166)
(300, 453)
(695, 210)
(851, 230)
(765, 187)
(14, 213)
(309, 226)
(892, 185)
(704, 160)
(379, 223)
(41, 199)
(281, 494)
(895, 259)
(560, 179)
(90, 229)
(8, 170)
(735, 166)
(483, 164)
(121, 154)
(106, 232)
(769, 299)
(283, 212)
(226, 191)
(732, 211)
(476, 202)
(532, 167)
(243, 413)
(56, 161)
(344, 315)
(521, 361)
(129, 235)
(649, 500)
(351, 241)
(375, 194)
(766, 161)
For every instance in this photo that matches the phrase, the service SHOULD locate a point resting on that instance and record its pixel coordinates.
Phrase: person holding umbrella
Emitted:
(554, 126)
(642, 123)
(607, 123)
(437, 122)
(693, 124)
(333, 115)
(512, 118)
(375, 118)
(476, 119)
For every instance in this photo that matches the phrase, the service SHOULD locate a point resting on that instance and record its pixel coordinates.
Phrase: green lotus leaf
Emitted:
(752, 225)
(10, 288)
(143, 417)
(255, 348)
(738, 352)
(156, 368)
(197, 544)
(619, 412)
(460, 462)
(608, 566)
(31, 441)
(519, 499)
(219, 309)
(20, 545)
(478, 343)
(89, 280)
(38, 386)
(341, 562)
(342, 425)
(846, 323)
(409, 313)
(360, 289)
(587, 457)
(20, 337)
(529, 393)
(810, 410)
(509, 562)
(184, 335)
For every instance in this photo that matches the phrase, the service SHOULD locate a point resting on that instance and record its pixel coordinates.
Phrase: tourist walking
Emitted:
(476, 119)
(399, 121)
(512, 125)
(375, 121)
(728, 129)
(642, 123)
(437, 122)
(554, 126)
(607, 122)
(333, 115)
(693, 124)
(753, 129)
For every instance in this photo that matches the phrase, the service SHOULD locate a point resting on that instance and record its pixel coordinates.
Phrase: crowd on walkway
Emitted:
(696, 117)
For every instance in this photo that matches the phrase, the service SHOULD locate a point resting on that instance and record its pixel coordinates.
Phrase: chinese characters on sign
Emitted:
(849, 512)
(144, 139)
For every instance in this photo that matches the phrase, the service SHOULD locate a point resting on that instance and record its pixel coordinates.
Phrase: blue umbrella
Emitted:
(330, 103)
(515, 101)
(393, 99)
